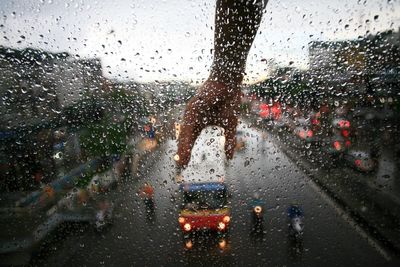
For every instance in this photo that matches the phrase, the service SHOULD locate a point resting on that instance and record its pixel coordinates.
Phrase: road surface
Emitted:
(136, 240)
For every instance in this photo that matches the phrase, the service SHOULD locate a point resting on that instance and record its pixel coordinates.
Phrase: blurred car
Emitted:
(204, 216)
(360, 160)
(303, 130)
(305, 133)
(270, 112)
(341, 123)
(283, 122)
(240, 140)
(205, 206)
(337, 145)
(338, 139)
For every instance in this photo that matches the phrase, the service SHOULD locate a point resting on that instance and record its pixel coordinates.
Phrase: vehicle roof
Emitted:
(206, 186)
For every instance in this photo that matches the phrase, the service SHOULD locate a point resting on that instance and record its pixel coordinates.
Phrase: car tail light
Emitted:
(337, 145)
(181, 220)
(187, 227)
(357, 162)
(226, 219)
(221, 226)
(345, 133)
(315, 122)
(344, 124)
(310, 133)
(302, 134)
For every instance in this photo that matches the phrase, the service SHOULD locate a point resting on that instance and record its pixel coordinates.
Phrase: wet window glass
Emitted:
(213, 132)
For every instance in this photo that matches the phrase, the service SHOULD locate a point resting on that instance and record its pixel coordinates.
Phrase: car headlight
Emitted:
(257, 209)
(221, 226)
(189, 244)
(222, 244)
(226, 219)
(187, 227)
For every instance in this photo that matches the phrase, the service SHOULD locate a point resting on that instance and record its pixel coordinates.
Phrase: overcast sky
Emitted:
(171, 39)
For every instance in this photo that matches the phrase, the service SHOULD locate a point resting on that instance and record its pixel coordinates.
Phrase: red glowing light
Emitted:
(344, 124)
(337, 145)
(315, 122)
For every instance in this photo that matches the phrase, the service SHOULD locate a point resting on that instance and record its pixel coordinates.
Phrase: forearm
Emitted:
(236, 25)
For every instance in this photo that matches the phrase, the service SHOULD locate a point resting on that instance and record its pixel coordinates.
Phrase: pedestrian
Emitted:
(147, 194)
(147, 191)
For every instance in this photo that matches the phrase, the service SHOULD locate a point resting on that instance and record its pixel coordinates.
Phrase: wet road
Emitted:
(135, 240)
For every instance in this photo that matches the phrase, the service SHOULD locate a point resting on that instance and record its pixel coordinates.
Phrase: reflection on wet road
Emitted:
(135, 239)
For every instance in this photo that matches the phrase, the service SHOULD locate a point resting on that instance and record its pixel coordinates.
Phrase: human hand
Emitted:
(216, 104)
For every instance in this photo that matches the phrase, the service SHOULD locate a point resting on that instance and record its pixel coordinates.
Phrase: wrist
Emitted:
(226, 76)
(228, 68)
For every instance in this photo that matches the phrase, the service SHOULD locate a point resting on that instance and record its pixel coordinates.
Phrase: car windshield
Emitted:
(198, 200)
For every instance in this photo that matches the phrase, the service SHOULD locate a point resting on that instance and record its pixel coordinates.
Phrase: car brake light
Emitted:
(337, 145)
(344, 124)
(347, 143)
(358, 162)
(315, 122)
(310, 133)
(302, 134)
(345, 133)
(181, 220)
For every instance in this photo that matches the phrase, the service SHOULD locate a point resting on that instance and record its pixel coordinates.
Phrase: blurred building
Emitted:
(35, 86)
(72, 79)
(363, 65)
